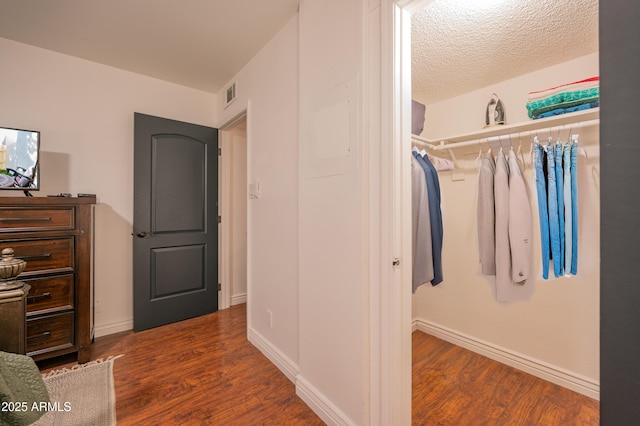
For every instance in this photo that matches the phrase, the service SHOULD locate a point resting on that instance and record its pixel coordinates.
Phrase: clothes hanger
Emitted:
(534, 146)
(500, 145)
(519, 152)
(478, 160)
(519, 143)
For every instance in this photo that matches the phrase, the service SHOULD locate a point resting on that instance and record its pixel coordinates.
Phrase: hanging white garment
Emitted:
(486, 216)
(421, 227)
(520, 223)
(503, 252)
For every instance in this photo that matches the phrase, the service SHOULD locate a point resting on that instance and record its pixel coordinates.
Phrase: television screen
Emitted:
(19, 150)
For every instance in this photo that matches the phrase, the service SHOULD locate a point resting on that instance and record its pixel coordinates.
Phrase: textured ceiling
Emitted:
(463, 45)
(195, 43)
(458, 45)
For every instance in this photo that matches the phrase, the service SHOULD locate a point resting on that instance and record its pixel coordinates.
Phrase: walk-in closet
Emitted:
(476, 66)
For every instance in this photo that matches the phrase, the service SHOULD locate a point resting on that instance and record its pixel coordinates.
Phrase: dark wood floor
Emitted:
(203, 371)
(454, 386)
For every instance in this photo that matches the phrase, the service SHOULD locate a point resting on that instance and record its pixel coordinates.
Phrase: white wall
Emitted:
(333, 232)
(85, 113)
(309, 231)
(554, 324)
(267, 89)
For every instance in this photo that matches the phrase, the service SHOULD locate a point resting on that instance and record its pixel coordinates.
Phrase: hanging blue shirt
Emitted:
(433, 192)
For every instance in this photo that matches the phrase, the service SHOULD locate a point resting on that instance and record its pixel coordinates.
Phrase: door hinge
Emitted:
(219, 219)
(219, 152)
(219, 286)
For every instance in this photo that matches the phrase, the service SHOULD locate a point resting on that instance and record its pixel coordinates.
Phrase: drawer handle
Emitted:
(25, 219)
(40, 336)
(34, 256)
(38, 296)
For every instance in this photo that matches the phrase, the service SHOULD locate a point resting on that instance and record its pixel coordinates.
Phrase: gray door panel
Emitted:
(175, 221)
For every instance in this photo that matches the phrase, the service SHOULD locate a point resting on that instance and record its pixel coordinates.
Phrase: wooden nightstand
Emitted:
(13, 317)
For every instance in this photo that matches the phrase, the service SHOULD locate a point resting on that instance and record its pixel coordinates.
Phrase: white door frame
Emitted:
(225, 210)
(390, 380)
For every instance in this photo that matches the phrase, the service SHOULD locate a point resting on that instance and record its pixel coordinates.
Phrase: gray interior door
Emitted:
(620, 210)
(175, 226)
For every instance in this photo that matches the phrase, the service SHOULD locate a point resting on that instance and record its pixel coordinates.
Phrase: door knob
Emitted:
(141, 234)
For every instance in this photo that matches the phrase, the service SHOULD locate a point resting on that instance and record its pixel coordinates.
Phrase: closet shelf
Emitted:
(577, 119)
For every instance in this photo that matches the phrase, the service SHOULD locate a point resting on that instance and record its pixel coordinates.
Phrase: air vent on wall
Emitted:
(230, 94)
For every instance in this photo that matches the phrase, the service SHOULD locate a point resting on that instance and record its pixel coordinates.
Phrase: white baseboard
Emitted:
(238, 299)
(280, 360)
(328, 412)
(325, 409)
(543, 370)
(116, 327)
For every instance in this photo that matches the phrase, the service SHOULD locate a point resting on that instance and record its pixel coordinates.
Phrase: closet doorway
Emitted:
(551, 330)
(233, 213)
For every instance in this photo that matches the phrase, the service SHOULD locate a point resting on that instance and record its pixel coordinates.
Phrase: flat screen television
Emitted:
(19, 162)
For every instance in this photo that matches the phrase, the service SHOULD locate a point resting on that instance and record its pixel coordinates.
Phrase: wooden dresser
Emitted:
(54, 236)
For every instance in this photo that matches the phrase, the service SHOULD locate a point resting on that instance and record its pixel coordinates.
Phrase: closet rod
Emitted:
(422, 142)
(540, 132)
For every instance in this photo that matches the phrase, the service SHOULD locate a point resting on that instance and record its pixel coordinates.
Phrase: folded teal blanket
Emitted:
(21, 390)
(563, 100)
(560, 111)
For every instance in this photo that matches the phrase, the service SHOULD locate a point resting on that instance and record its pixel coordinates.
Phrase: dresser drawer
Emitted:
(50, 294)
(32, 219)
(50, 333)
(43, 254)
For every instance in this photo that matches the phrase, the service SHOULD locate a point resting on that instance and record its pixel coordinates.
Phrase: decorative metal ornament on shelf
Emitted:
(10, 268)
